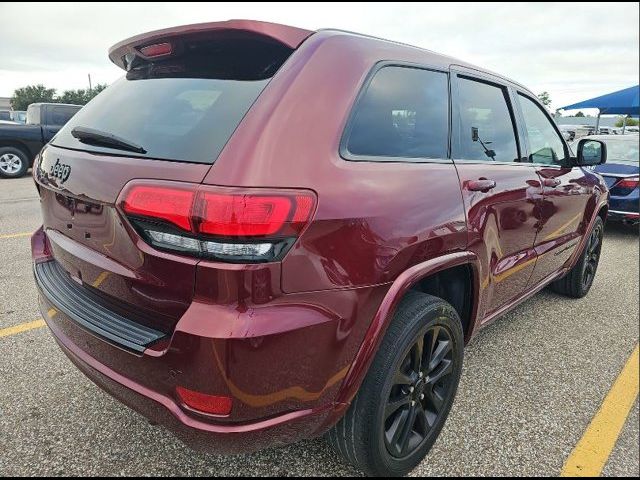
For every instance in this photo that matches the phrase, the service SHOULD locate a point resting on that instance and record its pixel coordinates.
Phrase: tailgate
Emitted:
(92, 241)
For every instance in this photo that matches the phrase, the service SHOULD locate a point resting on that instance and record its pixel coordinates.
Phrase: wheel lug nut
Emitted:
(413, 403)
(421, 374)
(422, 396)
(411, 389)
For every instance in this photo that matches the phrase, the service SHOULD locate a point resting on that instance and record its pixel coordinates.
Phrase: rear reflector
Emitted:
(229, 224)
(205, 403)
(156, 50)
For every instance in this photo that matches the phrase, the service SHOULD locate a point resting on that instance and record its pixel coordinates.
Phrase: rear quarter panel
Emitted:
(373, 219)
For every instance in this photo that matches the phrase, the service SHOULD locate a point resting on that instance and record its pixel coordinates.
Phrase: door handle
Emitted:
(481, 185)
(551, 182)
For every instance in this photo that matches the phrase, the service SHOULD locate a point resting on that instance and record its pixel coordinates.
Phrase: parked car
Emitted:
(568, 132)
(19, 116)
(19, 144)
(262, 234)
(621, 173)
(5, 115)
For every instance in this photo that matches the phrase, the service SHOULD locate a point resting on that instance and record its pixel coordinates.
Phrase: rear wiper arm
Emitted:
(92, 136)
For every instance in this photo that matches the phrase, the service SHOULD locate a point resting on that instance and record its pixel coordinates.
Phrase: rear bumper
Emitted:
(282, 363)
(625, 208)
(197, 434)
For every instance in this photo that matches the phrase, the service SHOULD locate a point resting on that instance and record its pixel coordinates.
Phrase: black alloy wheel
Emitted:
(422, 384)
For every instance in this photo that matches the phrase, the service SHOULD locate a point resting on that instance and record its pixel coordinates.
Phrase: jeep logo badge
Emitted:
(60, 171)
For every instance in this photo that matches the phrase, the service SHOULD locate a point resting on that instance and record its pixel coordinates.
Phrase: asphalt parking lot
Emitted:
(532, 383)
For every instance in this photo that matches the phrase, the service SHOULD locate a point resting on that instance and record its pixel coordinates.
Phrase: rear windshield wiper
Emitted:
(92, 136)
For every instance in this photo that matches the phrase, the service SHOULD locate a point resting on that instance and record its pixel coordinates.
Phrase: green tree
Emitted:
(545, 98)
(80, 96)
(25, 96)
(630, 122)
(580, 114)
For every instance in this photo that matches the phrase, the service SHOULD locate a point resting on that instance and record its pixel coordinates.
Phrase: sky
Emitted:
(574, 51)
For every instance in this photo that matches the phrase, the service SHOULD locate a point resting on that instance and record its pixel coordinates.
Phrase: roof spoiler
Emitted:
(290, 37)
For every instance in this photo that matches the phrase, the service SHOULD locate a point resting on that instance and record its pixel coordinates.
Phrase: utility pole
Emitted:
(89, 75)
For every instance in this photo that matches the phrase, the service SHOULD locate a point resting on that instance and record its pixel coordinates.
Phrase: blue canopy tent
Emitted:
(622, 102)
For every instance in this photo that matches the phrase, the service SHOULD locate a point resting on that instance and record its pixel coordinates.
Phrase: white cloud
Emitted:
(574, 51)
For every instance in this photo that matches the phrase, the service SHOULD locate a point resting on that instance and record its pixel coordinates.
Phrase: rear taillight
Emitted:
(229, 224)
(625, 186)
(170, 204)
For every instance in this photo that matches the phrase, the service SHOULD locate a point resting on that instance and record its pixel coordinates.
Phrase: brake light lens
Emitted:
(229, 224)
(625, 186)
(157, 50)
(249, 216)
(629, 183)
(164, 203)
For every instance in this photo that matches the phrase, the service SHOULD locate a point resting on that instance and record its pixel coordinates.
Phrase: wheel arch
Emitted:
(20, 146)
(411, 279)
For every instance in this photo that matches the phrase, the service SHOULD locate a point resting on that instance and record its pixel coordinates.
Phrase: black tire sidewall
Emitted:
(598, 223)
(23, 158)
(438, 313)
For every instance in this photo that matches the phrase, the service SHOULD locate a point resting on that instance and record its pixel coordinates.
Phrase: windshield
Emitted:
(184, 119)
(622, 150)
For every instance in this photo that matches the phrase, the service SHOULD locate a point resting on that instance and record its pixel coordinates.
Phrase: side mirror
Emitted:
(590, 153)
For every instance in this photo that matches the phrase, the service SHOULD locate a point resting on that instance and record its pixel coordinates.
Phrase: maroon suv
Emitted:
(262, 234)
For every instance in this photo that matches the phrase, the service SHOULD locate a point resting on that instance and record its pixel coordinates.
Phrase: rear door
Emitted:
(500, 191)
(566, 190)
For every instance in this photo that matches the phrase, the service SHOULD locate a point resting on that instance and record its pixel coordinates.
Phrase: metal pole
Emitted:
(597, 123)
(89, 75)
(624, 123)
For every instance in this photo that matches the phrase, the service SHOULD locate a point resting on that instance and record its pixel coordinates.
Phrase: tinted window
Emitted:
(61, 115)
(5, 115)
(486, 130)
(403, 113)
(184, 107)
(188, 119)
(545, 144)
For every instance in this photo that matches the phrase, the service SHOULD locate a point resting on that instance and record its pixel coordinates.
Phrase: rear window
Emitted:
(182, 109)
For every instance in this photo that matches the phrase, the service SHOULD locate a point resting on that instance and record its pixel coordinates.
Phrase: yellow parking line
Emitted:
(22, 327)
(591, 453)
(25, 327)
(16, 235)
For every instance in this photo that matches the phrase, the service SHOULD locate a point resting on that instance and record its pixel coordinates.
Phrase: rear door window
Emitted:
(486, 131)
(403, 113)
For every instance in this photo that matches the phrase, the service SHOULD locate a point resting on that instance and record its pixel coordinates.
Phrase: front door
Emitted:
(501, 193)
(561, 215)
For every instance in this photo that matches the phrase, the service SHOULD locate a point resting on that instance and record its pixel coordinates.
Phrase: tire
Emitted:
(578, 281)
(13, 162)
(362, 435)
